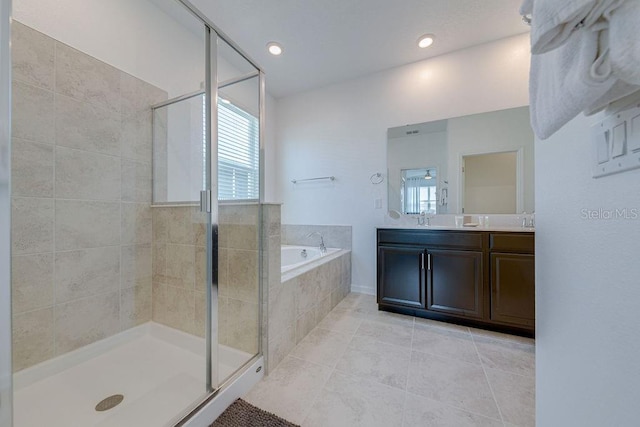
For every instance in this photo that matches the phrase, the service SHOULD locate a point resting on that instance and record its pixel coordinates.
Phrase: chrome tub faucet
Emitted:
(323, 248)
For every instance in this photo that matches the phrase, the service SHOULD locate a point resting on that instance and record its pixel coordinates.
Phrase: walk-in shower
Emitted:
(135, 190)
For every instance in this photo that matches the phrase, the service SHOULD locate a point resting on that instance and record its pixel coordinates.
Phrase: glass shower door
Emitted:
(238, 188)
(5, 213)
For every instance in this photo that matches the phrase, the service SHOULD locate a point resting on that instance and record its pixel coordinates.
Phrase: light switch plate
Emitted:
(602, 145)
(616, 142)
(619, 140)
(633, 137)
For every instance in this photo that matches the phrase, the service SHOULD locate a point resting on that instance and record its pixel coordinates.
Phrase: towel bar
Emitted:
(332, 178)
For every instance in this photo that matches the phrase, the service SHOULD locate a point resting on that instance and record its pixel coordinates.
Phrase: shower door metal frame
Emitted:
(6, 392)
(209, 204)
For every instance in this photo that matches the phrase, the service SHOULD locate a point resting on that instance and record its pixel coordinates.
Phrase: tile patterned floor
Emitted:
(364, 367)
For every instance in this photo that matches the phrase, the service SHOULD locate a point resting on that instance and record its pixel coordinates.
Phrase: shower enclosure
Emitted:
(135, 189)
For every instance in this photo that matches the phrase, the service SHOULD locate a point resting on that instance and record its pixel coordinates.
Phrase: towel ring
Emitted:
(376, 178)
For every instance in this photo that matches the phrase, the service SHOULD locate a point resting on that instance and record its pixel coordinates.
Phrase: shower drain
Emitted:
(109, 402)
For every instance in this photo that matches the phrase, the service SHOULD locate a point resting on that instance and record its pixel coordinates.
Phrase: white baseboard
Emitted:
(363, 289)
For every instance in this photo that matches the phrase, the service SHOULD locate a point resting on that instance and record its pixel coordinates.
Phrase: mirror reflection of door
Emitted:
(419, 190)
(489, 183)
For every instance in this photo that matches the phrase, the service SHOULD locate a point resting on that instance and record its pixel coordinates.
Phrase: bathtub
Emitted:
(294, 256)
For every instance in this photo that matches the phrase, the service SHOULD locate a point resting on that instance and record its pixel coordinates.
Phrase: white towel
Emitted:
(554, 21)
(625, 43)
(444, 196)
(618, 91)
(576, 73)
(564, 81)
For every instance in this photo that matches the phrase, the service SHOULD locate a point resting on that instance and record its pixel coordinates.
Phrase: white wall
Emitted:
(341, 130)
(270, 152)
(587, 288)
(185, 162)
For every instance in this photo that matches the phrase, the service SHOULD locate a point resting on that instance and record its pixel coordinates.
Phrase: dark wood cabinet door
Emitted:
(454, 282)
(513, 288)
(401, 276)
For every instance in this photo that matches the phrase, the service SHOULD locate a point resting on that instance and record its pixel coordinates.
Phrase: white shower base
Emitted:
(160, 372)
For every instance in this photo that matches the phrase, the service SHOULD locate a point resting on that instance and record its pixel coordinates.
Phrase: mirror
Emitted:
(477, 164)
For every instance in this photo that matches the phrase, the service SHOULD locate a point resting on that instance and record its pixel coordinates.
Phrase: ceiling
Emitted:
(328, 41)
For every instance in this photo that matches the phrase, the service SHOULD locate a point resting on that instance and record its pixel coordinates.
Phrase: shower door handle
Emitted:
(205, 201)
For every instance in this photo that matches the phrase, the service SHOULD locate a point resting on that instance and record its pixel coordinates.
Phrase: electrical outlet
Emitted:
(377, 204)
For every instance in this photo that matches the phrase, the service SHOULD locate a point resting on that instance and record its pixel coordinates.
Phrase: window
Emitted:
(180, 152)
(238, 153)
(419, 195)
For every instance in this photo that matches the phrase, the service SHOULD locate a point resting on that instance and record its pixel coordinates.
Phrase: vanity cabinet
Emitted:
(454, 282)
(477, 277)
(513, 279)
(401, 276)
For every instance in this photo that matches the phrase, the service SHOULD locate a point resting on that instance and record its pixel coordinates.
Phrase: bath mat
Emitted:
(243, 414)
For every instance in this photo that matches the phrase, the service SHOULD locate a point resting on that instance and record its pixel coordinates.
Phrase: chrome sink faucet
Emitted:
(323, 248)
(424, 219)
(528, 222)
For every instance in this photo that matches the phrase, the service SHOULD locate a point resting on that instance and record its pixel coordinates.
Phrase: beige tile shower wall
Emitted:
(81, 198)
(179, 276)
(299, 304)
(179, 268)
(239, 294)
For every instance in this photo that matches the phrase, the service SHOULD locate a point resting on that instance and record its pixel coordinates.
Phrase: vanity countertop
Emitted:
(453, 228)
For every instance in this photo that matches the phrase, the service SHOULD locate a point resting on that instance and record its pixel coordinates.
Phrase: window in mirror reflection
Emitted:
(419, 191)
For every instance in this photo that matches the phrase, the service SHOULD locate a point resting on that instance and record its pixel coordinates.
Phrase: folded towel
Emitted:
(624, 42)
(566, 81)
(618, 91)
(586, 56)
(555, 21)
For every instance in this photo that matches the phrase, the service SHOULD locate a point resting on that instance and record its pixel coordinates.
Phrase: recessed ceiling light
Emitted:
(274, 48)
(426, 40)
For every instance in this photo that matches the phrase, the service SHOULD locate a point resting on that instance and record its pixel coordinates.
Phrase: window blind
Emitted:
(238, 154)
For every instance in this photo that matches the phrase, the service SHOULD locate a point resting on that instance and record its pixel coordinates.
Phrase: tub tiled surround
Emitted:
(81, 198)
(179, 262)
(300, 302)
(271, 268)
(335, 236)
